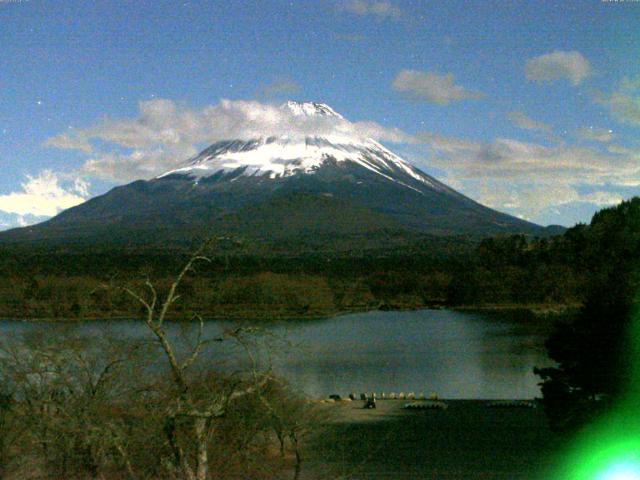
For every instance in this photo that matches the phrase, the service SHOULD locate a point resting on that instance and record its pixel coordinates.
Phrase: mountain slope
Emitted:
(315, 188)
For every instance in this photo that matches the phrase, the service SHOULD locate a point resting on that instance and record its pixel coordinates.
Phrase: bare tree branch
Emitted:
(171, 296)
(199, 344)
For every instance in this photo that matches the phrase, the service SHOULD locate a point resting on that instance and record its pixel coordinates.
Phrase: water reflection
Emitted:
(457, 355)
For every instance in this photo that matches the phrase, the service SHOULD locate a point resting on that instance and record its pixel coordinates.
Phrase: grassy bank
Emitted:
(468, 440)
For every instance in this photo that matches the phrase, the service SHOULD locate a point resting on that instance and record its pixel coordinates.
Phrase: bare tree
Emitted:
(63, 391)
(187, 406)
(292, 418)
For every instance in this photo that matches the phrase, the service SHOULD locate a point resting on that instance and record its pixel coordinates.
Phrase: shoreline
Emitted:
(535, 311)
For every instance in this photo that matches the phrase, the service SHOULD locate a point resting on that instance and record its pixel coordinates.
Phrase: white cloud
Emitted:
(513, 159)
(557, 65)
(432, 87)
(621, 150)
(624, 103)
(522, 121)
(138, 164)
(69, 141)
(594, 134)
(380, 9)
(165, 134)
(81, 187)
(602, 199)
(528, 179)
(529, 200)
(534, 199)
(43, 196)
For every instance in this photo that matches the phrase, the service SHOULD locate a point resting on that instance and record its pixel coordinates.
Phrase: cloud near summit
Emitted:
(530, 179)
(166, 133)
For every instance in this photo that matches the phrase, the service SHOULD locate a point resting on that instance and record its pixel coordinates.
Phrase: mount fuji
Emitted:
(323, 189)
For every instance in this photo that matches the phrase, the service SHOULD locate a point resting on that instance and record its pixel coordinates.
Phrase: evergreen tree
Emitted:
(593, 350)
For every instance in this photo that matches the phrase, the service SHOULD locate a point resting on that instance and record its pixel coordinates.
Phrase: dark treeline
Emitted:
(61, 283)
(506, 271)
(597, 351)
(500, 271)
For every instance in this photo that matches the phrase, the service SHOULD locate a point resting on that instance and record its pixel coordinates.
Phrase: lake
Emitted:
(454, 354)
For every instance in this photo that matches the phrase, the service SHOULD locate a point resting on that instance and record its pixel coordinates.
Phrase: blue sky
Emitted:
(530, 107)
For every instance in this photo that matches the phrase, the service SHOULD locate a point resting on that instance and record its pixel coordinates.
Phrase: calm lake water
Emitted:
(454, 354)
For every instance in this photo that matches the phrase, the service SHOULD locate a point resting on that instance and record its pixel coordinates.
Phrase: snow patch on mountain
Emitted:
(310, 109)
(284, 156)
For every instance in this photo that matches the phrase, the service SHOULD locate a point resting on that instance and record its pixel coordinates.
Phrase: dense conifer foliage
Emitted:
(594, 351)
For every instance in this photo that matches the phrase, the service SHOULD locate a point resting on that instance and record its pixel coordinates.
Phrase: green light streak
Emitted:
(621, 471)
(610, 448)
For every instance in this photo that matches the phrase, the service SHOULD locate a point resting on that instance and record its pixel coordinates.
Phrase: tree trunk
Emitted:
(201, 438)
(298, 466)
(280, 436)
(179, 460)
(170, 432)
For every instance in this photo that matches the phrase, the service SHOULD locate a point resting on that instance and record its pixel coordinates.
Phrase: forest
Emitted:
(513, 271)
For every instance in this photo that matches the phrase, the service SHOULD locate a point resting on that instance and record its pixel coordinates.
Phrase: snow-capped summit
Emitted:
(283, 156)
(310, 108)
